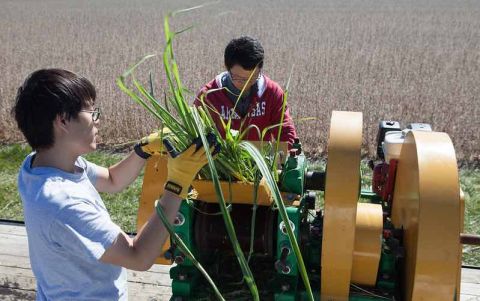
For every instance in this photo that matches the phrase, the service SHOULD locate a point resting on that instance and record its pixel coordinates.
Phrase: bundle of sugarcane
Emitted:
(238, 160)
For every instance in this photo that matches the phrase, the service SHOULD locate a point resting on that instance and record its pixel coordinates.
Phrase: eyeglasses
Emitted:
(95, 113)
(243, 80)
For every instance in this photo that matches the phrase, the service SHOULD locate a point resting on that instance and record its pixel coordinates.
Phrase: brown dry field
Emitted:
(411, 61)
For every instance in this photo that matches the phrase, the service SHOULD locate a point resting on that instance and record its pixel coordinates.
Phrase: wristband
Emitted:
(173, 187)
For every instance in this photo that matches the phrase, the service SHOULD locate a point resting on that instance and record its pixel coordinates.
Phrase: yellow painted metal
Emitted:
(460, 250)
(241, 193)
(153, 181)
(342, 189)
(368, 244)
(426, 204)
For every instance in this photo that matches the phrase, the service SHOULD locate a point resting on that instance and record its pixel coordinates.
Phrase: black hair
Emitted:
(44, 95)
(244, 51)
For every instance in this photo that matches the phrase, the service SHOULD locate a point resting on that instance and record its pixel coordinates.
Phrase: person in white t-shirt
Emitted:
(76, 251)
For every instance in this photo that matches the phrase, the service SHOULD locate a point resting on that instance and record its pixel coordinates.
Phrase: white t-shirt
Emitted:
(68, 230)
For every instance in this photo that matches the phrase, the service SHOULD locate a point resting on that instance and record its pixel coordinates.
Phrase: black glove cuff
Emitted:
(138, 150)
(172, 187)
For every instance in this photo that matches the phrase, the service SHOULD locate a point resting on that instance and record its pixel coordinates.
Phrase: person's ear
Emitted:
(61, 122)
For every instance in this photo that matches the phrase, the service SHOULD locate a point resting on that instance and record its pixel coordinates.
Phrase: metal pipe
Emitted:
(315, 180)
(469, 239)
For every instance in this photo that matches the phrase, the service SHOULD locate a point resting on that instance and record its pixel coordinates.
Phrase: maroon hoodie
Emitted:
(265, 110)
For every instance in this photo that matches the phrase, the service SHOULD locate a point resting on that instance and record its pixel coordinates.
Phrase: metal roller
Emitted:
(217, 238)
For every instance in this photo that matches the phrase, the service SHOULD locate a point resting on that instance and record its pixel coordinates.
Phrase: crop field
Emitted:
(411, 61)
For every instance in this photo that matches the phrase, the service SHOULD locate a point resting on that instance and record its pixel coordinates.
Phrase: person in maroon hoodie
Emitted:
(260, 103)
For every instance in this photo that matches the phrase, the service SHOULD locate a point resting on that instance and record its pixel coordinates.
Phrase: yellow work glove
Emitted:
(151, 144)
(183, 167)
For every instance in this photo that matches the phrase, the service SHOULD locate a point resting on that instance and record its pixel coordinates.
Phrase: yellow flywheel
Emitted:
(427, 205)
(342, 190)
